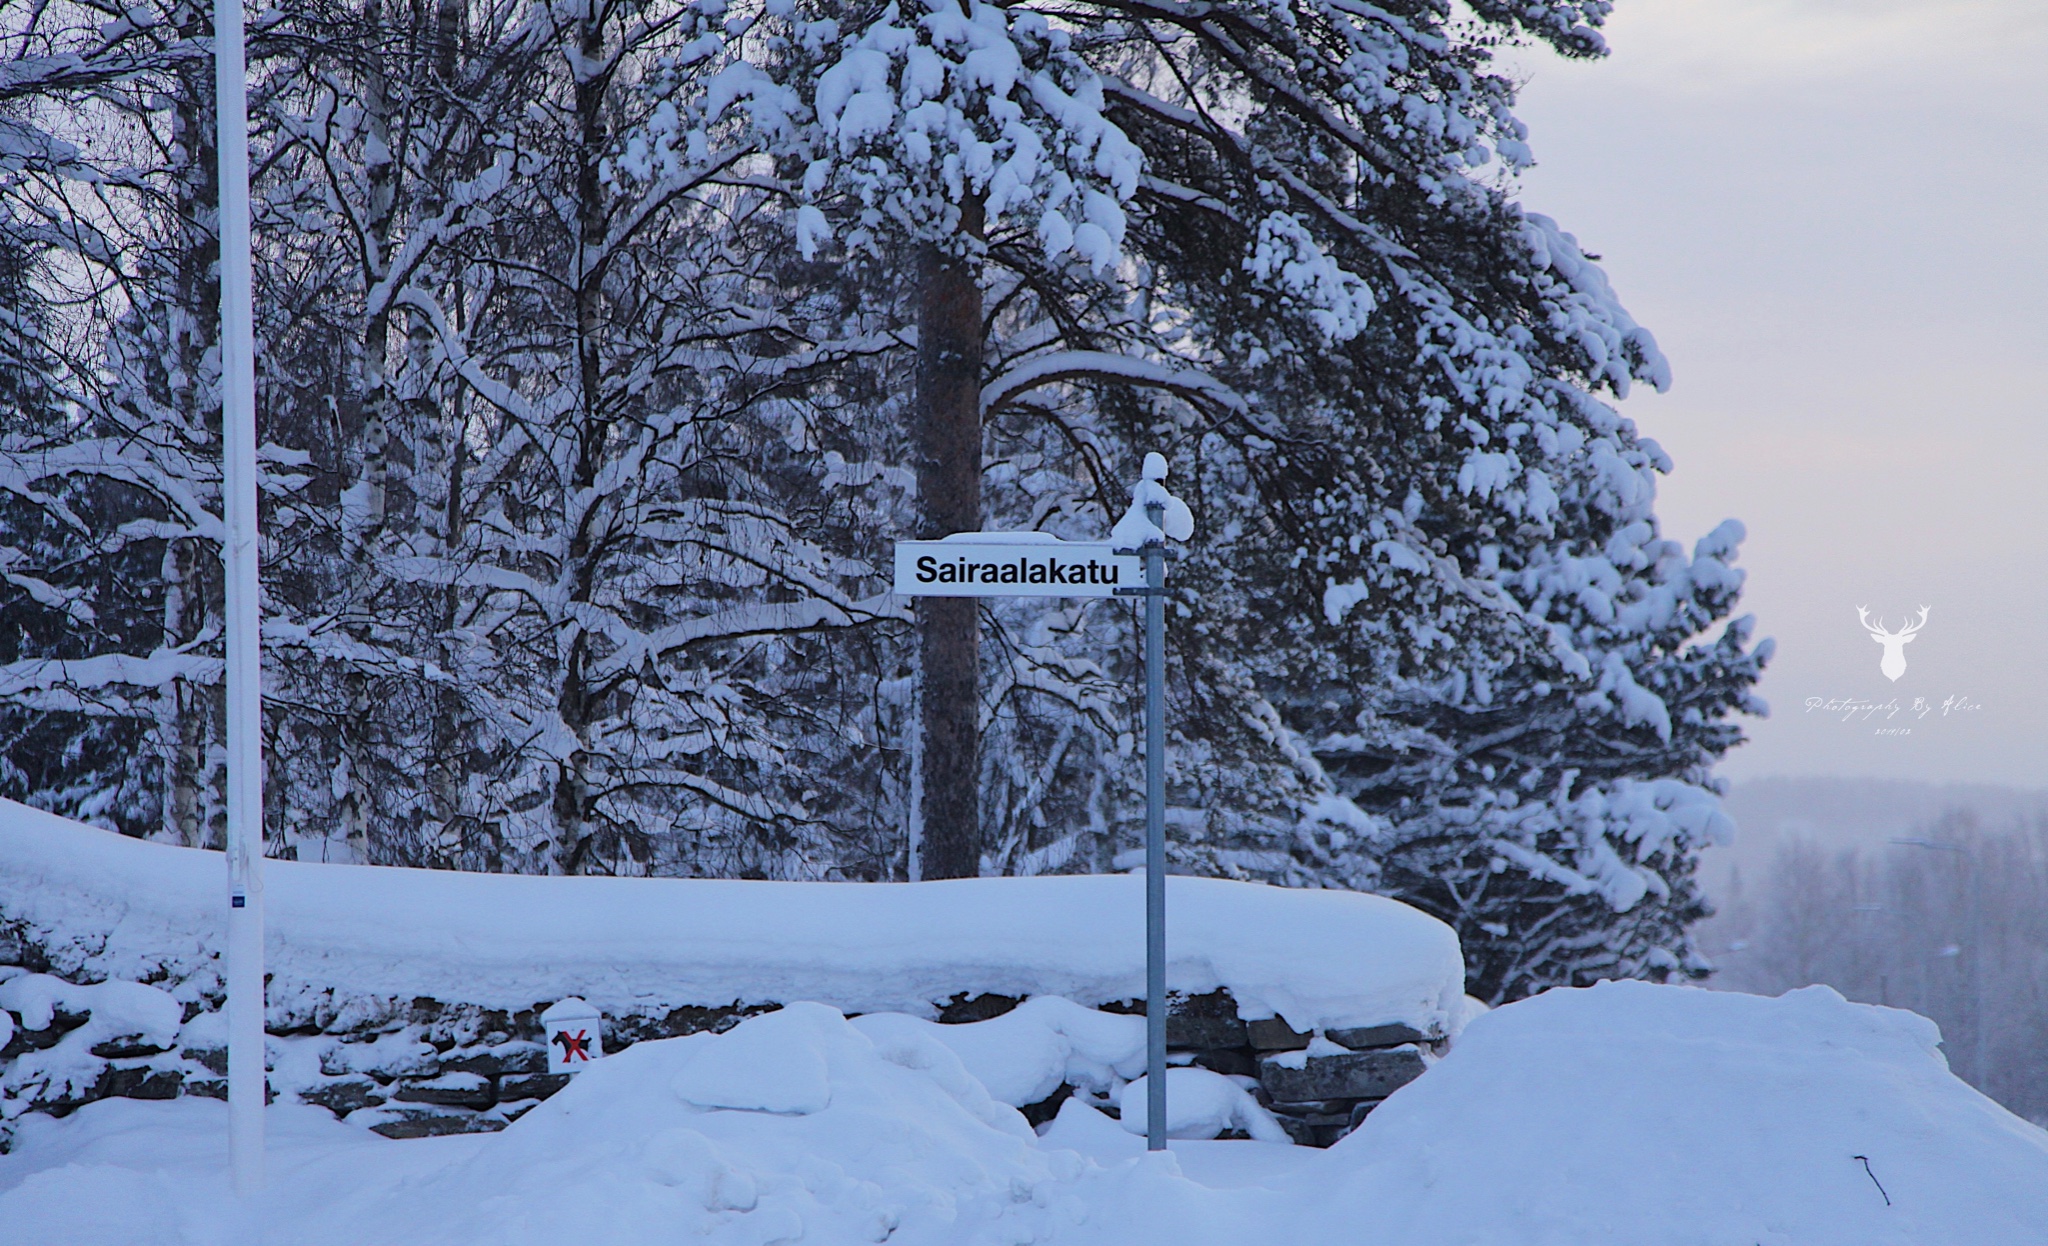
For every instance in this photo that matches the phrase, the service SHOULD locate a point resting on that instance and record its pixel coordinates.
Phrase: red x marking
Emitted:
(574, 1047)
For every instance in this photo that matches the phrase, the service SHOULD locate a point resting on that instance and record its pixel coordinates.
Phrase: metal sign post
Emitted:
(1155, 838)
(1032, 564)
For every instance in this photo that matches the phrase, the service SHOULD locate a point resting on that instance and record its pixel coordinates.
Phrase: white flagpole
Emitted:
(246, 1082)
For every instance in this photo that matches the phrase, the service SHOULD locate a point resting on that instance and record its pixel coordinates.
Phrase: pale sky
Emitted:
(1834, 216)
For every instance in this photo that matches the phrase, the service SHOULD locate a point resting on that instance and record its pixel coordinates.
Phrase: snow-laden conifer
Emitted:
(1446, 652)
(1437, 645)
(597, 376)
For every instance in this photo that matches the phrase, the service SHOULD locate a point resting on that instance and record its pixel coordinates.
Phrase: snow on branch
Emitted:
(1104, 366)
(904, 119)
(758, 619)
(1589, 314)
(1287, 257)
(23, 679)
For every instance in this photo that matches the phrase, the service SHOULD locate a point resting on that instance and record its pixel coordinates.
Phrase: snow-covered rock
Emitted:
(1199, 1104)
(1027, 1053)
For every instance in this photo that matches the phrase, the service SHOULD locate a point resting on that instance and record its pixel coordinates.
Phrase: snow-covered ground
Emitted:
(1625, 1114)
(110, 906)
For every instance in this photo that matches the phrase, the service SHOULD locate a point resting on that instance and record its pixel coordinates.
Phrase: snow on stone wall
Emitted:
(407, 1000)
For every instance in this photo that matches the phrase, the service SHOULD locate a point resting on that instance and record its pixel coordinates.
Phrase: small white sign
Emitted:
(575, 1035)
(1014, 564)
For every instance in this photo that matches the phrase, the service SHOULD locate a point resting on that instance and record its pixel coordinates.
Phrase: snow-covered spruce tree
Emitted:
(1439, 589)
(1434, 618)
(966, 144)
(931, 134)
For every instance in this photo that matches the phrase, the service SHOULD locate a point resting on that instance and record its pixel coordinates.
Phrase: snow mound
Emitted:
(1621, 1115)
(1632, 1113)
(888, 1141)
(778, 1065)
(109, 906)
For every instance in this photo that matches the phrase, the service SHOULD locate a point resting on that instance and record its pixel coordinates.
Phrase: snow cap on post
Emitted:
(1176, 521)
(575, 1035)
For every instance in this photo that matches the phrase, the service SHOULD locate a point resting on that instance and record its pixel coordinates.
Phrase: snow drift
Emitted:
(1622, 1115)
(1632, 1113)
(111, 906)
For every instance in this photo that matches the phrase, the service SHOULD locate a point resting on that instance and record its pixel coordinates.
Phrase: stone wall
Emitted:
(1319, 1086)
(419, 1067)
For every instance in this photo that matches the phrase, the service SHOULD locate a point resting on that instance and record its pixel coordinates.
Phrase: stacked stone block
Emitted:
(421, 1067)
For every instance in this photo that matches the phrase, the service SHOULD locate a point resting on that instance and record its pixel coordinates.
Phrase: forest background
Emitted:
(605, 346)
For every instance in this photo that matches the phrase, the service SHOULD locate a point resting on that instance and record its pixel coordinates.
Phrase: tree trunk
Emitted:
(949, 347)
(381, 171)
(193, 597)
(577, 701)
(443, 449)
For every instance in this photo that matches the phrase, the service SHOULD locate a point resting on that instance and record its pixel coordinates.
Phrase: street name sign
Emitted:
(1132, 564)
(1015, 564)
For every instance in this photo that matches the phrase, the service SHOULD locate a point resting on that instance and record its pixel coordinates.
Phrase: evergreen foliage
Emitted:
(590, 343)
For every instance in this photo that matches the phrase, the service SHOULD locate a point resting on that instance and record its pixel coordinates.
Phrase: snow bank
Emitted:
(712, 1138)
(1632, 1113)
(691, 1139)
(117, 907)
(1623, 1115)
(113, 1009)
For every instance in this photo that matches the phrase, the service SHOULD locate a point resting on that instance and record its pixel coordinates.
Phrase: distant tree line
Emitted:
(606, 345)
(1950, 922)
